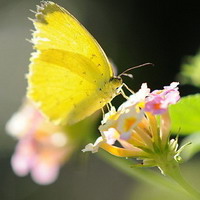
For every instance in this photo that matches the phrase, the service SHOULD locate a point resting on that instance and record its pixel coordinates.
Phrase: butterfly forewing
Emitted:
(58, 29)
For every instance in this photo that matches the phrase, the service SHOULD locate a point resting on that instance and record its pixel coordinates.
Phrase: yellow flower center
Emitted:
(128, 123)
(159, 91)
(157, 106)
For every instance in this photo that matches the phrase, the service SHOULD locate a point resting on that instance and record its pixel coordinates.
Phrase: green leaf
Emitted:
(190, 70)
(193, 148)
(185, 115)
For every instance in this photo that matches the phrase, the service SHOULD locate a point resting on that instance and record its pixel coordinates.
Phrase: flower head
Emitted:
(134, 129)
(158, 101)
(42, 147)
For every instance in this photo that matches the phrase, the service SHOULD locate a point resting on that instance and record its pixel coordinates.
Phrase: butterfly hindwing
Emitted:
(60, 83)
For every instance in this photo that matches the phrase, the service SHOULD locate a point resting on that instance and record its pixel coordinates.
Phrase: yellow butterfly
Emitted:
(70, 76)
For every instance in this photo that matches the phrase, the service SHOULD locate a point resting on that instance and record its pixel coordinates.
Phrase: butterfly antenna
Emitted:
(124, 73)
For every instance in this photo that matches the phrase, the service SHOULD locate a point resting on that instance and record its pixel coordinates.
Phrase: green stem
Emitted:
(149, 176)
(172, 170)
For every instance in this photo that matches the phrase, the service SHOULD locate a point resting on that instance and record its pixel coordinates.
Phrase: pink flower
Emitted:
(39, 156)
(42, 148)
(158, 101)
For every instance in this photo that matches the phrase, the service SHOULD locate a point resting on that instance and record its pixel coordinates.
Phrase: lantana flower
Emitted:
(42, 147)
(140, 128)
(158, 101)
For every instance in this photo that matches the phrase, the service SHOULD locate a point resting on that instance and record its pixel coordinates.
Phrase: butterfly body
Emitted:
(70, 76)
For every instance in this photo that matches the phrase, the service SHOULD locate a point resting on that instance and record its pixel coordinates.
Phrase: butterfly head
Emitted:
(116, 83)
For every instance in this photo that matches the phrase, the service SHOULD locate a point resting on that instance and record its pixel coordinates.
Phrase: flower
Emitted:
(159, 100)
(134, 129)
(42, 148)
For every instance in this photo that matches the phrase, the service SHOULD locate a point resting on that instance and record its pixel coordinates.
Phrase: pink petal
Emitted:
(44, 173)
(158, 101)
(20, 164)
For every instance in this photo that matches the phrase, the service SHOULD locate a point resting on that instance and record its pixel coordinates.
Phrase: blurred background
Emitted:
(131, 33)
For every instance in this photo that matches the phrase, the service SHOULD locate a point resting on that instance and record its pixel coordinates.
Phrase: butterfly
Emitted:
(69, 76)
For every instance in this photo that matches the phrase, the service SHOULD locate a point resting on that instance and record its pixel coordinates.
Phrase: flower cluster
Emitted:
(140, 127)
(42, 147)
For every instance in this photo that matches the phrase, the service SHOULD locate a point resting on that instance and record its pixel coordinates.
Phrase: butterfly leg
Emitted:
(131, 91)
(103, 112)
(109, 105)
(121, 91)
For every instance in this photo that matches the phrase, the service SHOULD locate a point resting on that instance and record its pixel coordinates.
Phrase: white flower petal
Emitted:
(93, 147)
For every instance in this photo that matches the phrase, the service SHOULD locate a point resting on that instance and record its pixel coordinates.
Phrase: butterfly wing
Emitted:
(68, 67)
(58, 29)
